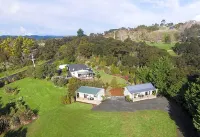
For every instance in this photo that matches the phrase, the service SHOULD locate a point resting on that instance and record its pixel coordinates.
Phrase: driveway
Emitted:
(182, 119)
(121, 105)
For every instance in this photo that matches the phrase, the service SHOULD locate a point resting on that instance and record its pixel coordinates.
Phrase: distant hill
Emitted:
(142, 34)
(37, 37)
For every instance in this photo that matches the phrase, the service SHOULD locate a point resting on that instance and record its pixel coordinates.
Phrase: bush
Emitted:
(11, 90)
(114, 70)
(2, 83)
(154, 93)
(66, 99)
(103, 98)
(30, 72)
(127, 98)
(107, 70)
(4, 124)
(46, 70)
(59, 81)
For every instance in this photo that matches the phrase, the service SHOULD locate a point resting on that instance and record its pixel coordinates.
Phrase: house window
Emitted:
(85, 95)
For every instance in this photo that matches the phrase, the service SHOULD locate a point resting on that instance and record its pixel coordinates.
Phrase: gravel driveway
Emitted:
(180, 116)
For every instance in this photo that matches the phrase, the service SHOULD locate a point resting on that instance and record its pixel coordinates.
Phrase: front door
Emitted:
(146, 93)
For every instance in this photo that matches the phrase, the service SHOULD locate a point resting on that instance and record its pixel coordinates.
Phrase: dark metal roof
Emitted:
(76, 67)
(140, 88)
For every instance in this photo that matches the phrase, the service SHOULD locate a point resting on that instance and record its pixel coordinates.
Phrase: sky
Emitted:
(65, 17)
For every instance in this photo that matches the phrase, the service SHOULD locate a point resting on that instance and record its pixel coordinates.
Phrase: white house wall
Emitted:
(100, 94)
(74, 74)
(81, 95)
(126, 92)
(97, 97)
(143, 93)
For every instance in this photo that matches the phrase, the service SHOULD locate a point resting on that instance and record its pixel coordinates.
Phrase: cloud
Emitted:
(65, 17)
(197, 18)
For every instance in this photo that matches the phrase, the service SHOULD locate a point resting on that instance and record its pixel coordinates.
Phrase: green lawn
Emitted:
(11, 72)
(167, 47)
(77, 120)
(106, 78)
(39, 94)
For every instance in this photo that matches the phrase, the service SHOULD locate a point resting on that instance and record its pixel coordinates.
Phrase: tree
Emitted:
(114, 69)
(6, 51)
(166, 77)
(98, 76)
(73, 85)
(163, 22)
(167, 38)
(192, 96)
(80, 33)
(196, 119)
(85, 49)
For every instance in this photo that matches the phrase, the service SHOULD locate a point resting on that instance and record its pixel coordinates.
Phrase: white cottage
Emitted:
(90, 95)
(141, 92)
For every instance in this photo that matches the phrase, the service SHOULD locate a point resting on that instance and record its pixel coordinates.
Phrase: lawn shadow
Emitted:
(21, 132)
(183, 120)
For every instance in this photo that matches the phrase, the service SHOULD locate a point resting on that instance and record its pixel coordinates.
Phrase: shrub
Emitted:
(2, 83)
(114, 69)
(11, 90)
(98, 76)
(6, 82)
(127, 98)
(154, 93)
(30, 72)
(66, 99)
(103, 98)
(14, 122)
(4, 124)
(59, 81)
(46, 70)
(107, 70)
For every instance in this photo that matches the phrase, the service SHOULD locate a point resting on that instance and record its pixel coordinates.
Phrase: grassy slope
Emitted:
(108, 78)
(39, 94)
(165, 46)
(77, 119)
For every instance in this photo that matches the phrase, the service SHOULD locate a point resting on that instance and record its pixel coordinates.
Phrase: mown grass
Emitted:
(106, 78)
(165, 46)
(75, 120)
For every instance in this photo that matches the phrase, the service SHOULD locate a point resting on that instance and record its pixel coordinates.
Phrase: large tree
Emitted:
(80, 33)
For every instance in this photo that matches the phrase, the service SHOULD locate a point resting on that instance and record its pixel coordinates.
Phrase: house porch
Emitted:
(86, 100)
(145, 97)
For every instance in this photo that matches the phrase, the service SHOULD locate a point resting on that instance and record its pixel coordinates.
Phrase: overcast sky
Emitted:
(65, 17)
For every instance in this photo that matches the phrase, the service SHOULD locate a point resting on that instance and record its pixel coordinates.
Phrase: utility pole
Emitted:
(33, 60)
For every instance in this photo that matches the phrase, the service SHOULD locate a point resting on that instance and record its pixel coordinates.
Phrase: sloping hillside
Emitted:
(146, 35)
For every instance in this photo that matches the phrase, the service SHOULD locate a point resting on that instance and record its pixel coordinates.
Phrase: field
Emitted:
(167, 47)
(58, 120)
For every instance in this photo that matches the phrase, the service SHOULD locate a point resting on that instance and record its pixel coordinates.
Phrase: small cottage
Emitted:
(91, 95)
(140, 92)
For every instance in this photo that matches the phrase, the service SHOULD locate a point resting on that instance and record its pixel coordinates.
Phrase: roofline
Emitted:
(91, 87)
